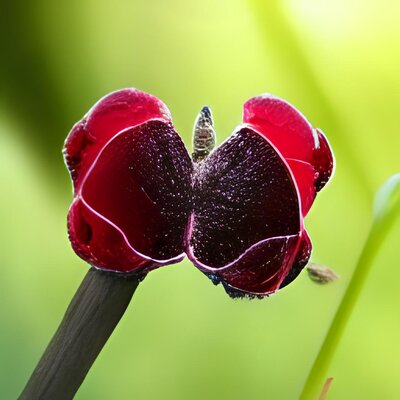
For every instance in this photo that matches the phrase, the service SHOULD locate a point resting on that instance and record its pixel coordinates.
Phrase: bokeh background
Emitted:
(182, 338)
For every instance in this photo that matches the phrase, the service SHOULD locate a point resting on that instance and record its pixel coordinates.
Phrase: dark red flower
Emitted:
(140, 202)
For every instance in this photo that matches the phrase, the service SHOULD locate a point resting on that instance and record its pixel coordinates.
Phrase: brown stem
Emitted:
(91, 317)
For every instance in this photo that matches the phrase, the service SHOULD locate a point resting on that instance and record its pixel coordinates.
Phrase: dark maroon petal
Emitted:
(113, 113)
(261, 270)
(140, 186)
(301, 260)
(244, 194)
(303, 147)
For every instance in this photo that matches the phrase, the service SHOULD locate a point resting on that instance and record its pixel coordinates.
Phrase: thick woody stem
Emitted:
(91, 317)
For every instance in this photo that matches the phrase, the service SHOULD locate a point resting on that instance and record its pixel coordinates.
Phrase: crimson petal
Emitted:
(138, 185)
(99, 243)
(304, 174)
(246, 221)
(301, 260)
(299, 143)
(261, 269)
(111, 114)
(323, 161)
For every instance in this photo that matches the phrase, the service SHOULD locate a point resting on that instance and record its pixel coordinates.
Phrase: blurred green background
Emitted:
(182, 338)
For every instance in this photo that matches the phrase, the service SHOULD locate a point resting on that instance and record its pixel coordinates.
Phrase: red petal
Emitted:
(99, 243)
(295, 138)
(113, 113)
(262, 269)
(304, 174)
(246, 219)
(137, 200)
(283, 125)
(323, 161)
(301, 260)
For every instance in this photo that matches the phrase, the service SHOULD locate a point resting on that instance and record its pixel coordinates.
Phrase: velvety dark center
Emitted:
(144, 183)
(243, 194)
(141, 182)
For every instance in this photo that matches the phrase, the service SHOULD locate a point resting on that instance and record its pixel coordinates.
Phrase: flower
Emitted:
(140, 202)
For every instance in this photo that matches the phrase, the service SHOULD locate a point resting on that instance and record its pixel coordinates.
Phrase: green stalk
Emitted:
(387, 205)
